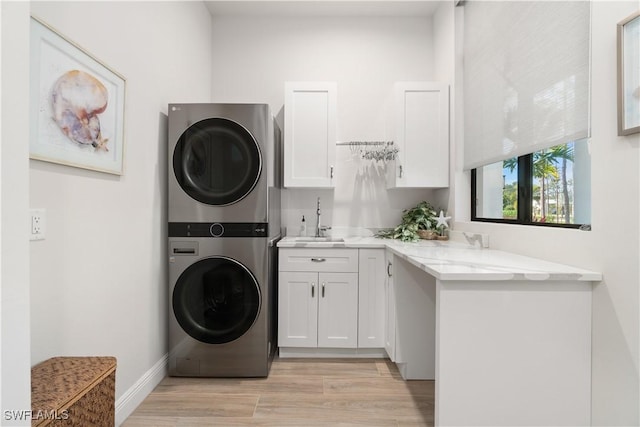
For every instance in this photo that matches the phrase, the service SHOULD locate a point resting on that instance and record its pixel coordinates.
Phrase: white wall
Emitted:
(98, 281)
(444, 37)
(254, 56)
(14, 187)
(613, 247)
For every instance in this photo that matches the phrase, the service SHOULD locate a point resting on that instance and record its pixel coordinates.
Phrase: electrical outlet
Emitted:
(37, 223)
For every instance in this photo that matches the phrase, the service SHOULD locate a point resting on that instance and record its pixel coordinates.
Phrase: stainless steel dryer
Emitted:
(224, 218)
(224, 164)
(223, 313)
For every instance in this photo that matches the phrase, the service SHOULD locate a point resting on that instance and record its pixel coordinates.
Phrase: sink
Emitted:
(318, 239)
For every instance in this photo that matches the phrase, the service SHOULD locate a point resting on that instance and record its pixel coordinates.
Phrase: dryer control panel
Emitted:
(218, 229)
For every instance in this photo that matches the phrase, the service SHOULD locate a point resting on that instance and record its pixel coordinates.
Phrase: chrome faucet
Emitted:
(320, 229)
(318, 219)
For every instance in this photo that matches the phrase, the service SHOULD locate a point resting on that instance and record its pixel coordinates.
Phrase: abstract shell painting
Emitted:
(77, 105)
(77, 99)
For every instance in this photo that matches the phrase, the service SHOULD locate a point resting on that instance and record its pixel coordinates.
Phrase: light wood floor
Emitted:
(298, 392)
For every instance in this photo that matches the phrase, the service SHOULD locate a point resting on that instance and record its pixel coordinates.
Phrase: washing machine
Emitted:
(224, 163)
(223, 306)
(224, 188)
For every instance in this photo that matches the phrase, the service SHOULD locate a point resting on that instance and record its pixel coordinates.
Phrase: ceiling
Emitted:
(322, 7)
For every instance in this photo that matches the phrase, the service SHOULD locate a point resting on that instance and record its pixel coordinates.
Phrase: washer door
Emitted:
(216, 300)
(217, 161)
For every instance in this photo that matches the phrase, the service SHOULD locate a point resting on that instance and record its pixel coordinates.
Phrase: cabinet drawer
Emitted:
(333, 260)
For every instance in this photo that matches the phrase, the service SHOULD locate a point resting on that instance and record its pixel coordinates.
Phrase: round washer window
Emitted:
(216, 300)
(217, 161)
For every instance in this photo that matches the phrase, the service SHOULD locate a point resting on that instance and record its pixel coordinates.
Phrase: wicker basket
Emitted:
(74, 391)
(427, 234)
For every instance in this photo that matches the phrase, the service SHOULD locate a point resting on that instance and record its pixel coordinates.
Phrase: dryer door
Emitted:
(217, 161)
(216, 300)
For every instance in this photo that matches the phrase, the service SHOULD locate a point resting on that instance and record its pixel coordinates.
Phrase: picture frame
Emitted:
(76, 104)
(628, 40)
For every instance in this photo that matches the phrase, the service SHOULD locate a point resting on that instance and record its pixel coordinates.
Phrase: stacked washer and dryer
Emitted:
(224, 223)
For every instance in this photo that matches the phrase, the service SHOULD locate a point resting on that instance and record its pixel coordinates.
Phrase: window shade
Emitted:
(526, 77)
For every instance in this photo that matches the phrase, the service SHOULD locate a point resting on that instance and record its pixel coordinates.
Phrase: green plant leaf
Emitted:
(420, 217)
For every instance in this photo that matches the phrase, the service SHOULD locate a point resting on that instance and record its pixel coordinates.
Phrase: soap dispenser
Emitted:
(303, 227)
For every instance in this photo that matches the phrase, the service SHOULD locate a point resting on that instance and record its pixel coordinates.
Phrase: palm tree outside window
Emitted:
(549, 187)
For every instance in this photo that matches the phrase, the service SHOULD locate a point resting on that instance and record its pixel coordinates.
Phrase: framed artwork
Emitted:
(629, 75)
(76, 105)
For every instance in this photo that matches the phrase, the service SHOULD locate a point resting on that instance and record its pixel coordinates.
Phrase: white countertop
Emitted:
(447, 260)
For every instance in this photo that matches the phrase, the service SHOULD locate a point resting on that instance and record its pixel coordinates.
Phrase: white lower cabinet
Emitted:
(297, 309)
(390, 310)
(318, 308)
(338, 310)
(331, 299)
(371, 299)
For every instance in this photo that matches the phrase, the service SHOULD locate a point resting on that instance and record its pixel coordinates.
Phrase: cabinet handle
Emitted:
(389, 269)
(318, 259)
(331, 173)
(322, 289)
(400, 171)
(313, 290)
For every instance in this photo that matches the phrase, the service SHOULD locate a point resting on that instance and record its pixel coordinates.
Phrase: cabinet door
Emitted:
(390, 312)
(297, 309)
(421, 126)
(309, 134)
(338, 310)
(371, 298)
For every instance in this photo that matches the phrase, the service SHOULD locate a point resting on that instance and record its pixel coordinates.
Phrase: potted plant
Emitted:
(417, 223)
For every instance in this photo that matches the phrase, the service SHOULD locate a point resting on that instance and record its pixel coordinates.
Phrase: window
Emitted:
(526, 95)
(548, 187)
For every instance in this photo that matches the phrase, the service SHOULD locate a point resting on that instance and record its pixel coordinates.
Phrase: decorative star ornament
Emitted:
(442, 220)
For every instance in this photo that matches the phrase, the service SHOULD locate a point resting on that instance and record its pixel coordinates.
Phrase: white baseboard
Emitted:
(364, 353)
(129, 401)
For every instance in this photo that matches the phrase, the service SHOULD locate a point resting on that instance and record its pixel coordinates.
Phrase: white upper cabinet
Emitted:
(309, 134)
(421, 134)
